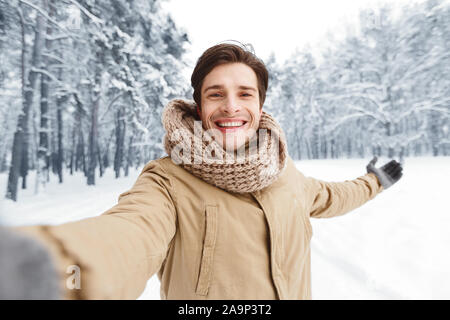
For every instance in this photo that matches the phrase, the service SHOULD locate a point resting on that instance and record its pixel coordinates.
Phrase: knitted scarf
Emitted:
(252, 167)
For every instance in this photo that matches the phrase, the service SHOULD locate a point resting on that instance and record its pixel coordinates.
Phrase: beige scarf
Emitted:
(255, 166)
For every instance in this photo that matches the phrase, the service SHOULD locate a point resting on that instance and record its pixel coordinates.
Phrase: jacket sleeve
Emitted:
(119, 250)
(330, 199)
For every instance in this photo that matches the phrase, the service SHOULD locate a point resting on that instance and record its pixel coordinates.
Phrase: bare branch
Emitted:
(94, 18)
(45, 15)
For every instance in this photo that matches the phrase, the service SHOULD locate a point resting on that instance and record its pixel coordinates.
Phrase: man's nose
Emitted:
(231, 106)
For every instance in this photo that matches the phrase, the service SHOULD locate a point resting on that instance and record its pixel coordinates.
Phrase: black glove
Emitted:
(26, 271)
(388, 174)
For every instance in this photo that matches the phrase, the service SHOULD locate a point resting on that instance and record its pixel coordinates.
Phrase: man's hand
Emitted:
(388, 174)
(26, 269)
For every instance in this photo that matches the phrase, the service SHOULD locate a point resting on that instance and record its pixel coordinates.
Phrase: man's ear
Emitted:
(198, 112)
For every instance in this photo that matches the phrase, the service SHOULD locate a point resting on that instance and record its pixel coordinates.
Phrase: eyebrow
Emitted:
(218, 86)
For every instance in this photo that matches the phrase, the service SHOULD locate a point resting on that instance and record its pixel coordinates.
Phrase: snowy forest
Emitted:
(83, 84)
(383, 90)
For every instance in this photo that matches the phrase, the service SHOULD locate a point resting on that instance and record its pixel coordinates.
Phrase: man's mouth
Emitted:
(230, 125)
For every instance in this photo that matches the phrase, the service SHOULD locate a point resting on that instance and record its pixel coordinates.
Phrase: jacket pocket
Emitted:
(206, 263)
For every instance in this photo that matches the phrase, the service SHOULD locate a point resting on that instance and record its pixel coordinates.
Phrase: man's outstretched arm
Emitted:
(330, 199)
(118, 251)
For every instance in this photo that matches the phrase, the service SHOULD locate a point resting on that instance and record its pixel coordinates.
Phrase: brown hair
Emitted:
(228, 53)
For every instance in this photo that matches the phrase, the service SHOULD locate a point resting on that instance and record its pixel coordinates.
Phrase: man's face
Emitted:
(230, 104)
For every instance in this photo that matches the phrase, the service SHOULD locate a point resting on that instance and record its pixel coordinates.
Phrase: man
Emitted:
(211, 221)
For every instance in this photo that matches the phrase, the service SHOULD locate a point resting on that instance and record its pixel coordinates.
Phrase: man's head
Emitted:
(230, 85)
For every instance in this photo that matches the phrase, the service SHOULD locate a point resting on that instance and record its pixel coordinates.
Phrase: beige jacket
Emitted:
(203, 242)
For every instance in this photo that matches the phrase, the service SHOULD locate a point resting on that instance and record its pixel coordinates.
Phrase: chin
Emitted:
(232, 145)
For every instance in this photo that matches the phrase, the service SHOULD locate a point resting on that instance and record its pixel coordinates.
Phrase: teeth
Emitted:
(230, 124)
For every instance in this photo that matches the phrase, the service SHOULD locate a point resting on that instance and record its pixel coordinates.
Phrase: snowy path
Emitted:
(394, 247)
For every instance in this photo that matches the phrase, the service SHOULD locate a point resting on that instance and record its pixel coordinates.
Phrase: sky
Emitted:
(279, 26)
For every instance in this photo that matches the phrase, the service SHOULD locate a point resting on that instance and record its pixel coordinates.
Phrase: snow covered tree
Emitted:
(383, 89)
(384, 78)
(84, 63)
(19, 158)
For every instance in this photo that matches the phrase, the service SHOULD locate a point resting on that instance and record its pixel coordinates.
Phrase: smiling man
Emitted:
(230, 103)
(210, 228)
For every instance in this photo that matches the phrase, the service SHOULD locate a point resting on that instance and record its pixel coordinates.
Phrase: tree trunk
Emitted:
(60, 151)
(99, 158)
(72, 151)
(129, 161)
(80, 157)
(92, 153)
(43, 153)
(120, 141)
(93, 132)
(44, 150)
(105, 158)
(19, 158)
(60, 101)
(4, 145)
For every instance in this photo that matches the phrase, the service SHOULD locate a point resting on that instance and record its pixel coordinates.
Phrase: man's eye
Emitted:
(247, 94)
(214, 95)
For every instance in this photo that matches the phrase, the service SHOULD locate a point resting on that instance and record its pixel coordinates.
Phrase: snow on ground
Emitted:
(393, 247)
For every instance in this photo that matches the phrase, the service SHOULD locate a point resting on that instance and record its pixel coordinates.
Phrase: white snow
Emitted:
(393, 247)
